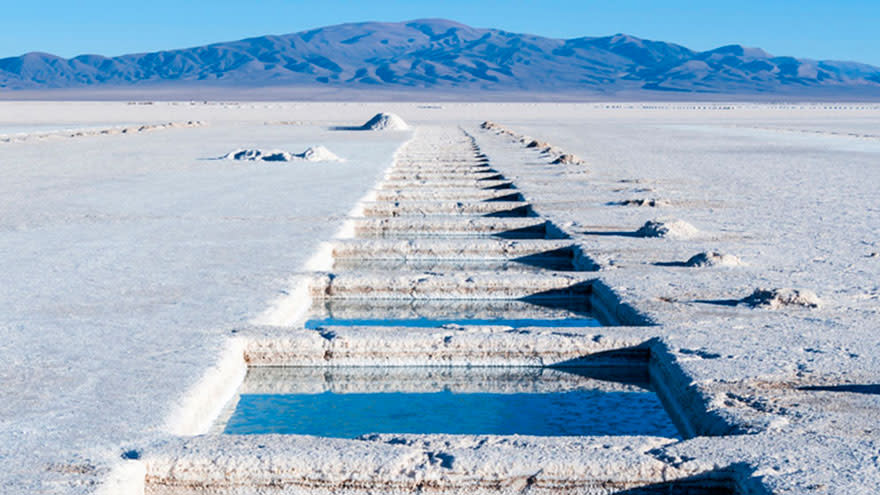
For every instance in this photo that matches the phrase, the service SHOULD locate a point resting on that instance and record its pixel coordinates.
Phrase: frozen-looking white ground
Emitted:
(800, 210)
(128, 259)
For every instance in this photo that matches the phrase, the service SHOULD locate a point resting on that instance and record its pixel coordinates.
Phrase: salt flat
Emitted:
(127, 259)
(130, 258)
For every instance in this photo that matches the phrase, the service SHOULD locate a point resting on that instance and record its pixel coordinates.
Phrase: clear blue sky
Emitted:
(821, 29)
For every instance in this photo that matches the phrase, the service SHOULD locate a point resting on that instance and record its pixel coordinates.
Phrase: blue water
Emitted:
(525, 265)
(313, 324)
(559, 312)
(347, 404)
(525, 233)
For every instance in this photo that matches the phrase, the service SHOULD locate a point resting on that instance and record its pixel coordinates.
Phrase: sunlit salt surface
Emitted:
(549, 312)
(350, 402)
(18, 130)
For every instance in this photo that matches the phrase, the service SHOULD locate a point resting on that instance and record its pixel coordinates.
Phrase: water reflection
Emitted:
(537, 312)
(349, 402)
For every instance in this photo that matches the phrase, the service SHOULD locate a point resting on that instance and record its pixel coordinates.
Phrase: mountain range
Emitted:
(442, 55)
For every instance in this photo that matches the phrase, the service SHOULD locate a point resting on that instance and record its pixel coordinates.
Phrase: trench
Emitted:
(446, 248)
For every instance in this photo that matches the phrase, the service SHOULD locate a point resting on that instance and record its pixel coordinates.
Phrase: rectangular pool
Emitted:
(350, 402)
(533, 264)
(549, 312)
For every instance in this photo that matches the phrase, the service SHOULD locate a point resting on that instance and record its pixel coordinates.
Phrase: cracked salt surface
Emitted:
(792, 208)
(124, 252)
(127, 258)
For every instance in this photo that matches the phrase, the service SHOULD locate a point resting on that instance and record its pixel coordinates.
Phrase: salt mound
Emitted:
(385, 122)
(567, 159)
(779, 298)
(677, 229)
(653, 202)
(277, 156)
(312, 154)
(552, 150)
(257, 154)
(319, 154)
(713, 259)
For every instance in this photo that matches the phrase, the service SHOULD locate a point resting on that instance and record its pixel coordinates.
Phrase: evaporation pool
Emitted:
(538, 312)
(533, 264)
(350, 402)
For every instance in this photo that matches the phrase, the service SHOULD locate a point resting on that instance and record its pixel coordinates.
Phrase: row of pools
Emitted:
(542, 401)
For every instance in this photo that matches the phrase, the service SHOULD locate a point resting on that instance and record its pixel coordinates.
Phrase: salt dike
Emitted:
(729, 252)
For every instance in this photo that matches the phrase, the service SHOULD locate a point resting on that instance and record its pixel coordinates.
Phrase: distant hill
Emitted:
(441, 55)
